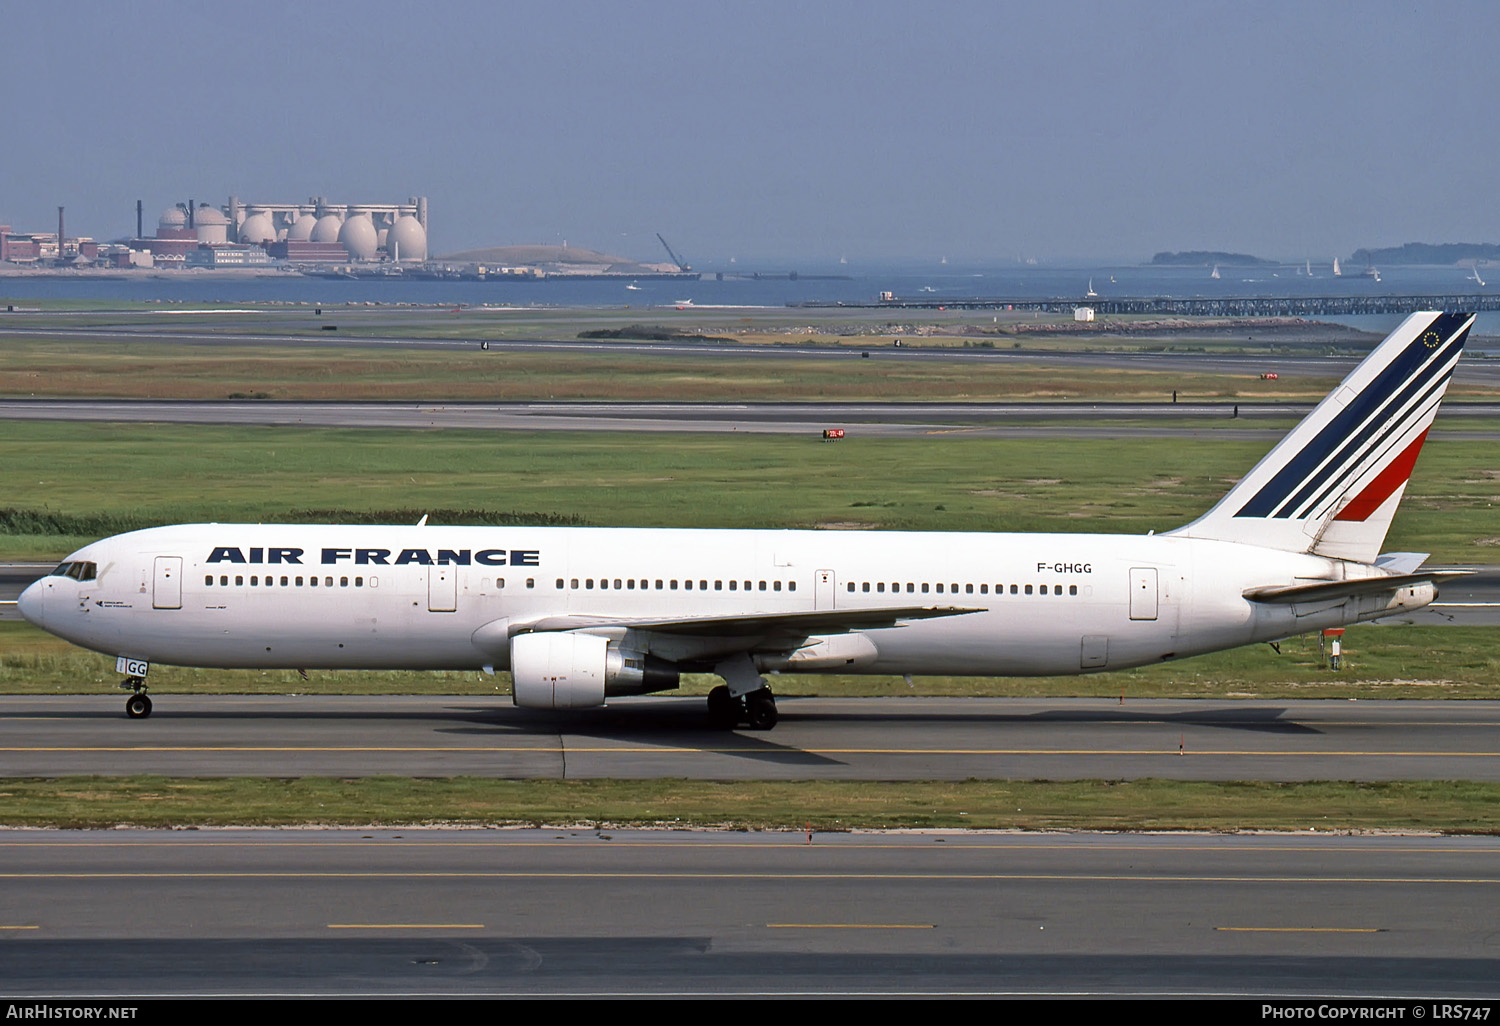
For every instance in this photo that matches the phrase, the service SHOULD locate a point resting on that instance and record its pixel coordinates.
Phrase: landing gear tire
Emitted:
(724, 710)
(138, 707)
(760, 709)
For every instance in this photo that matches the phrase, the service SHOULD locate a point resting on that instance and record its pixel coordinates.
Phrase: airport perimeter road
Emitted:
(985, 420)
(817, 739)
(575, 912)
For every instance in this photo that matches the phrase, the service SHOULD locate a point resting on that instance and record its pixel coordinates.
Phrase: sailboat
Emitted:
(1091, 293)
(1336, 272)
(1476, 276)
(1216, 272)
(1309, 269)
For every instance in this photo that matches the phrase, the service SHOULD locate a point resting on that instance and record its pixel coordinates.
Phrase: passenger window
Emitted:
(531, 582)
(209, 580)
(776, 586)
(1028, 589)
(1072, 589)
(223, 580)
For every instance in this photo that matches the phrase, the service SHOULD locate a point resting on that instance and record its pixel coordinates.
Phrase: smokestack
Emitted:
(191, 223)
(59, 233)
(140, 225)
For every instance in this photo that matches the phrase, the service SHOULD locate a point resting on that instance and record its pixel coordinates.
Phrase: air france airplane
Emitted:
(578, 615)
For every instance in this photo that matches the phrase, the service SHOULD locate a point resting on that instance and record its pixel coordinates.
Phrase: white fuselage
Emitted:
(402, 597)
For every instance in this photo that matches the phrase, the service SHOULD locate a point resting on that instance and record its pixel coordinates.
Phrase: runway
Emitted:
(585, 912)
(871, 739)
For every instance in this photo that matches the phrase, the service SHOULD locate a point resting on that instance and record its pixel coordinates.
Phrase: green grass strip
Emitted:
(148, 801)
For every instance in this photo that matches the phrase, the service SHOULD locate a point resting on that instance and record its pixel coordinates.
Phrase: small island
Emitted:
(1206, 258)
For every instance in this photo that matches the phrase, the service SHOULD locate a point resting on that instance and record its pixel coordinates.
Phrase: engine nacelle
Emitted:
(555, 670)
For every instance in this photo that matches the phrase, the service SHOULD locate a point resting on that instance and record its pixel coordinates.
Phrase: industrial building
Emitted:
(242, 235)
(318, 231)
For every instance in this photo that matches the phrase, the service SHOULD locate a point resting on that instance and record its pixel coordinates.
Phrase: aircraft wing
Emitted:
(1347, 589)
(817, 621)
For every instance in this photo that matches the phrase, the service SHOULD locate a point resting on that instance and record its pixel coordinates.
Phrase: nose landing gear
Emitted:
(138, 705)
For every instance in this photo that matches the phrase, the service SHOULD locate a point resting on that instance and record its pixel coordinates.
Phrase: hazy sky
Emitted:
(816, 129)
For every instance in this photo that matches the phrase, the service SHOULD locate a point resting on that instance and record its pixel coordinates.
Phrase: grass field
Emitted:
(99, 802)
(143, 474)
(44, 367)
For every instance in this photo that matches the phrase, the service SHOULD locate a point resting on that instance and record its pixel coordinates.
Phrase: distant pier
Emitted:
(1247, 306)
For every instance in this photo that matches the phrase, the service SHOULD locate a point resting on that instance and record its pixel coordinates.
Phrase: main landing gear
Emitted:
(743, 698)
(138, 705)
(757, 710)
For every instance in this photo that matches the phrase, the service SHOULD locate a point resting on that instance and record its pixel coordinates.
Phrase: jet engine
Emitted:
(576, 671)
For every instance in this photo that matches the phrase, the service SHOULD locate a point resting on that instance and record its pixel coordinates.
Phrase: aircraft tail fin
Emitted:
(1331, 486)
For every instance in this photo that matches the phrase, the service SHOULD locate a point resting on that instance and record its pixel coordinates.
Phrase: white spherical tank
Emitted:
(407, 240)
(301, 229)
(258, 229)
(327, 229)
(358, 237)
(212, 226)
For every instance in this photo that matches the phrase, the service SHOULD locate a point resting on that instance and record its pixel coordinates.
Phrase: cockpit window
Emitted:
(79, 570)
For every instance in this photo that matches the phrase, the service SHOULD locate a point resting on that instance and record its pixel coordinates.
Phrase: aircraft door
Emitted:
(1142, 593)
(166, 586)
(442, 589)
(824, 590)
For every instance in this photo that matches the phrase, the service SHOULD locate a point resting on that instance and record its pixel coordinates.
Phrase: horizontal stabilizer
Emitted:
(1401, 562)
(1347, 589)
(816, 621)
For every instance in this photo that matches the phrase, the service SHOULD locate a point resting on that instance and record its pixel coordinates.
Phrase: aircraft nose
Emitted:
(31, 603)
